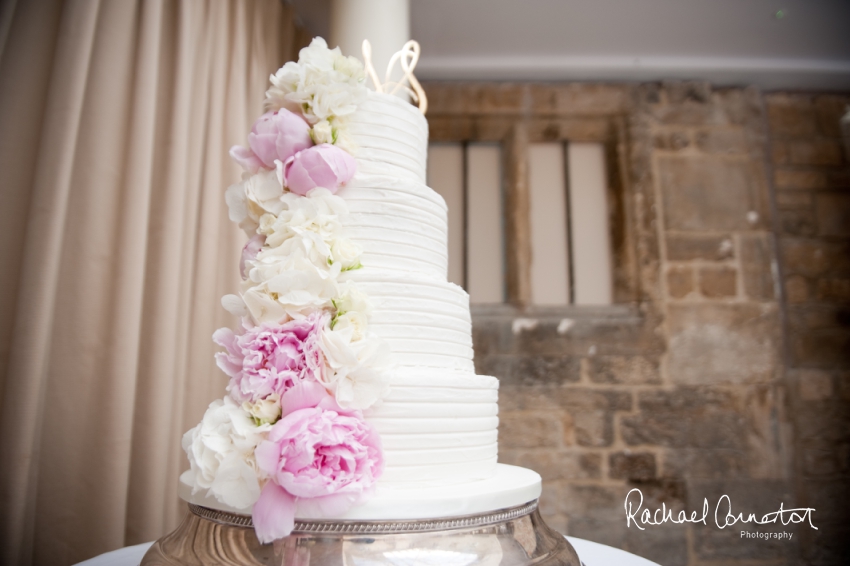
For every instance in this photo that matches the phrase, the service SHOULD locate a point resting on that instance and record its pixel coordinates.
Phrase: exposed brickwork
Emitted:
(686, 392)
(813, 199)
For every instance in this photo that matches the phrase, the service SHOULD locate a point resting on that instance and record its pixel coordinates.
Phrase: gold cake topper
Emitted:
(407, 57)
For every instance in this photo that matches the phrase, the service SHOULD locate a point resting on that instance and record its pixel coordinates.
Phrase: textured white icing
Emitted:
(439, 422)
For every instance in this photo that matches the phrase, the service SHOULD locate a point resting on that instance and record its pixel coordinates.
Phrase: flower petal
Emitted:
(274, 513)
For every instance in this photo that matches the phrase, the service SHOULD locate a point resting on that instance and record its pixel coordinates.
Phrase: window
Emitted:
(570, 247)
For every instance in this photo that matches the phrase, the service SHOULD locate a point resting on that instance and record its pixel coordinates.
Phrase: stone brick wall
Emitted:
(812, 180)
(688, 391)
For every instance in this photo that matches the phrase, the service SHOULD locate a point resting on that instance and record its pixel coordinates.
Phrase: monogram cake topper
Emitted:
(407, 58)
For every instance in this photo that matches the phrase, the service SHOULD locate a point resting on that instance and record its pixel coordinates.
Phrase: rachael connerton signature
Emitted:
(723, 515)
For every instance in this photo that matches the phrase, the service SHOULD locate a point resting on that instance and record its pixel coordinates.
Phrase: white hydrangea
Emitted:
(322, 84)
(319, 213)
(221, 454)
(289, 286)
(255, 196)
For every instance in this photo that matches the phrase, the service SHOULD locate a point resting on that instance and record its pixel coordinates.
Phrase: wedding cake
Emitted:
(352, 391)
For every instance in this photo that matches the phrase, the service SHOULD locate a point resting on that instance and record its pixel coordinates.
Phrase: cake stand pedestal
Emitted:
(507, 537)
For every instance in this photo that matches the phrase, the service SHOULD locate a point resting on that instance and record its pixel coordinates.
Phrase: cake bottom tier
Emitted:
(509, 486)
(437, 427)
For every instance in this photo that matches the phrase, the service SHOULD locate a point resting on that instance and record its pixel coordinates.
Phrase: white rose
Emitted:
(357, 321)
(323, 132)
(346, 253)
(221, 454)
(351, 299)
(264, 411)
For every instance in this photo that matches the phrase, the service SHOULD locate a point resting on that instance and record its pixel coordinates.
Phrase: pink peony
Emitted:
(275, 136)
(321, 457)
(322, 165)
(271, 358)
(249, 252)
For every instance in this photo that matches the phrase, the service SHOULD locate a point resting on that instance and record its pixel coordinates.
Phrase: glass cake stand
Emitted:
(489, 522)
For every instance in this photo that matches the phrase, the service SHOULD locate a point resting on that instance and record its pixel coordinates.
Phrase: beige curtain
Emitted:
(115, 120)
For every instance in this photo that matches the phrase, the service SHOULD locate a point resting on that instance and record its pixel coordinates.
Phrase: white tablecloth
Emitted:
(590, 553)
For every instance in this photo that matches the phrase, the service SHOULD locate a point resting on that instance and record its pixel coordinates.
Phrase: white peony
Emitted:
(358, 370)
(255, 196)
(221, 454)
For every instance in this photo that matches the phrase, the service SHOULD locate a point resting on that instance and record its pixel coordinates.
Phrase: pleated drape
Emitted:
(115, 121)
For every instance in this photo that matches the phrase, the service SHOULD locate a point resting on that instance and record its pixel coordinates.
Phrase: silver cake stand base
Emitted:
(507, 537)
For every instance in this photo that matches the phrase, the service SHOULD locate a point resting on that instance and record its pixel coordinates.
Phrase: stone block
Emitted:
(530, 430)
(705, 463)
(709, 194)
(833, 214)
(576, 398)
(815, 152)
(822, 422)
(794, 200)
(726, 141)
(718, 282)
(628, 370)
(680, 281)
(813, 385)
(518, 397)
(544, 369)
(829, 498)
(554, 465)
(779, 153)
(592, 98)
(829, 109)
(746, 496)
(593, 427)
(833, 290)
(683, 247)
(797, 289)
(671, 140)
(686, 417)
(591, 501)
(843, 385)
(821, 459)
(815, 258)
(500, 366)
(681, 92)
(632, 466)
(722, 343)
(757, 259)
(797, 222)
(791, 117)
(489, 337)
(800, 179)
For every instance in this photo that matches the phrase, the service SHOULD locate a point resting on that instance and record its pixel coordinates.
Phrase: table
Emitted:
(590, 553)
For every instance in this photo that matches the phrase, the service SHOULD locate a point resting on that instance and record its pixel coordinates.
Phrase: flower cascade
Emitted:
(290, 434)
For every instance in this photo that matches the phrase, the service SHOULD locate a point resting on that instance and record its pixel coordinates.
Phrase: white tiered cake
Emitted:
(436, 419)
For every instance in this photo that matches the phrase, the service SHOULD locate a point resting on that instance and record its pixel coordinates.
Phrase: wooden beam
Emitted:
(517, 216)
